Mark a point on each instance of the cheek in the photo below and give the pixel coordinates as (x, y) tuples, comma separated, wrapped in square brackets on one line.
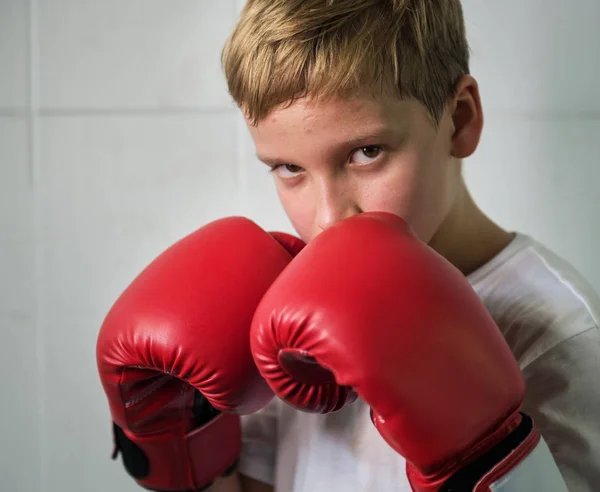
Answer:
[(396, 192), (413, 191)]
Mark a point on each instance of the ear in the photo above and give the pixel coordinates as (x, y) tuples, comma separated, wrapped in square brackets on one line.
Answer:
[(467, 116)]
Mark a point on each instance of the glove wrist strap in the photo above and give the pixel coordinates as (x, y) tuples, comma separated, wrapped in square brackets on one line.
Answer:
[(167, 461)]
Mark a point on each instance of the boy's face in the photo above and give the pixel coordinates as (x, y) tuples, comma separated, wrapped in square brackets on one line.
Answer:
[(333, 159)]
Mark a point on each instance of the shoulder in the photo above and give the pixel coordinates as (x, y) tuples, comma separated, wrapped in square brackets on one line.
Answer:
[(538, 299)]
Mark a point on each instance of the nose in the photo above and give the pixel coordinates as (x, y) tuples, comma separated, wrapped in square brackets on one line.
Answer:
[(334, 205)]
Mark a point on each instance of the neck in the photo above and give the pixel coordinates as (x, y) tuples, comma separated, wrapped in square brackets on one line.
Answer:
[(468, 238)]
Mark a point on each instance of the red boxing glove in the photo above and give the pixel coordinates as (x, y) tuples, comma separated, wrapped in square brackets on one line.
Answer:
[(368, 308), (174, 352)]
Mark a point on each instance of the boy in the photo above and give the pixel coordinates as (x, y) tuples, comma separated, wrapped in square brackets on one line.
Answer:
[(356, 106), (364, 105)]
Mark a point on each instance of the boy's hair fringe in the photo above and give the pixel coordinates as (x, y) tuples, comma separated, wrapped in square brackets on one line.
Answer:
[(282, 50)]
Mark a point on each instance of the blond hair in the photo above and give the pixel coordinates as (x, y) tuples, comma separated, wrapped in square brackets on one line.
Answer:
[(282, 50)]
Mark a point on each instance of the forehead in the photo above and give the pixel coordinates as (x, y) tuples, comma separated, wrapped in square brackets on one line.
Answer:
[(336, 116)]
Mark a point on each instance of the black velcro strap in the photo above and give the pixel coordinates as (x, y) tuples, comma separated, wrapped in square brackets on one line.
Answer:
[(466, 478), (134, 459)]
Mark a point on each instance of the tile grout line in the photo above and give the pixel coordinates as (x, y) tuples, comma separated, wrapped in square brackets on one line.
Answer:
[(38, 252), (534, 115), (14, 112), (116, 111), (8, 112), (544, 115)]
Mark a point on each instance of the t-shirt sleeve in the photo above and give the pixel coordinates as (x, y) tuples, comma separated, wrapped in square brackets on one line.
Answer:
[(259, 444), (563, 397)]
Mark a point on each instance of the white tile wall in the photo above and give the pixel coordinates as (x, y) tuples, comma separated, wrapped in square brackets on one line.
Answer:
[(16, 219), (76, 439), (20, 400), (135, 54), (116, 190), (534, 56), (136, 144), (14, 41), (541, 177), (20, 408)]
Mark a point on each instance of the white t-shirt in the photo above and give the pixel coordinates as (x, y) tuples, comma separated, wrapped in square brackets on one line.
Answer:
[(550, 317)]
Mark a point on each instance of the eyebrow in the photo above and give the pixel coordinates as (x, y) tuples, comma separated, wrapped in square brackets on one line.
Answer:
[(371, 137), (268, 160)]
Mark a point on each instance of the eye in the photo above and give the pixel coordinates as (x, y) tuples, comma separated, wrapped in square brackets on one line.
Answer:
[(286, 171), (366, 155)]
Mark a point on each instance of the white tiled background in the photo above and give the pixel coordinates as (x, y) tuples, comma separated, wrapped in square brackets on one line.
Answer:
[(117, 137)]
